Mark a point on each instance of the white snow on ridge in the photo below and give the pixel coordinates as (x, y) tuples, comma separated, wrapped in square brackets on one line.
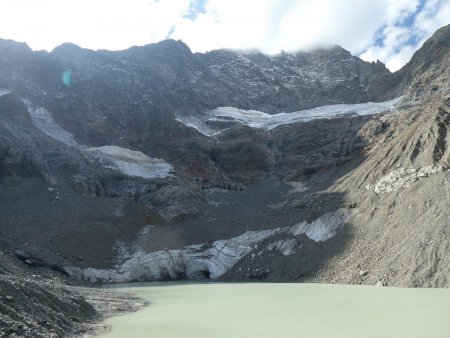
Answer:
[(257, 119), (131, 163)]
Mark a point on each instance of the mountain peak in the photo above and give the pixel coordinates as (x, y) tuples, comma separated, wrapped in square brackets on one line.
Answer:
[(170, 45), (426, 74), (68, 48), (14, 46)]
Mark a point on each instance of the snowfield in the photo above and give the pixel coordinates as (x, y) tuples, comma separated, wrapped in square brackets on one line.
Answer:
[(131, 163), (261, 120)]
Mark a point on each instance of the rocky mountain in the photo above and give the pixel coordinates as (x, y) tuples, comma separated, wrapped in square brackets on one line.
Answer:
[(157, 163)]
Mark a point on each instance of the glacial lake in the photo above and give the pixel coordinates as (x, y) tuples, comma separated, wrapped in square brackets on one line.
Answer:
[(262, 310)]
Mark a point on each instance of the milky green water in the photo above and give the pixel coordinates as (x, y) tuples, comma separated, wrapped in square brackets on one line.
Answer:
[(283, 311)]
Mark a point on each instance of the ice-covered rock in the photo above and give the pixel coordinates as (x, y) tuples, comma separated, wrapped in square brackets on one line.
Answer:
[(225, 253), (324, 227), (285, 246)]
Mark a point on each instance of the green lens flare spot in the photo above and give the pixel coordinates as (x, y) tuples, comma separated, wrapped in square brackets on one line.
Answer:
[(67, 78)]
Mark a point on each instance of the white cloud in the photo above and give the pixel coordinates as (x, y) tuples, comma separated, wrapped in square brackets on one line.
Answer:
[(400, 41), (374, 29), (96, 24), (273, 25)]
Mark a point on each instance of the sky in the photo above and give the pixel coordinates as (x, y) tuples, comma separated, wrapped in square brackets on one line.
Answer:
[(385, 30)]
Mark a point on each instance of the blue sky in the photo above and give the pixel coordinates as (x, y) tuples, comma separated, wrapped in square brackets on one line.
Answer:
[(395, 41), (386, 30), (195, 8)]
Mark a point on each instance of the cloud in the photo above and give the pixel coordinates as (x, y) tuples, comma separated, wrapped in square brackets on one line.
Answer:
[(272, 25), (409, 24), (388, 30), (95, 24), (195, 8)]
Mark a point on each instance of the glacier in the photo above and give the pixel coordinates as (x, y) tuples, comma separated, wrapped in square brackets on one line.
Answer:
[(211, 259), (261, 120)]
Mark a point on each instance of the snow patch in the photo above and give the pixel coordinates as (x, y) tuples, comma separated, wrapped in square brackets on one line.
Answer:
[(130, 162), (197, 124), (44, 121), (296, 187)]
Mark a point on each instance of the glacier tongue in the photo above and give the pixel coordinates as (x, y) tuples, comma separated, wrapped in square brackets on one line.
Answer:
[(212, 259)]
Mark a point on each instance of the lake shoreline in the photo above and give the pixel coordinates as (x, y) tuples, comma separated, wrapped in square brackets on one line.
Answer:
[(108, 303)]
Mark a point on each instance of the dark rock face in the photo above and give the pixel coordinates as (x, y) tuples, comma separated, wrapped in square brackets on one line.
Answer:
[(425, 76), (427, 72), (55, 200), (174, 80), (129, 98), (289, 82)]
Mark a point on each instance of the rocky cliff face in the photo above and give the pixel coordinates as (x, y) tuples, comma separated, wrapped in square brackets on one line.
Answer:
[(158, 163), (43, 305), (177, 81), (427, 72)]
